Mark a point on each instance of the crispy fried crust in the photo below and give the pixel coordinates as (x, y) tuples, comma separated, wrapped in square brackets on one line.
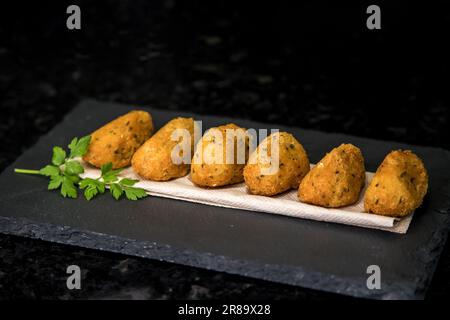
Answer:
[(335, 181), (398, 186), (117, 141), (293, 165), (153, 160), (208, 173)]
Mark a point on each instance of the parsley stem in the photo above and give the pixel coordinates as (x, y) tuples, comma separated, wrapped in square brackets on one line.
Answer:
[(27, 171)]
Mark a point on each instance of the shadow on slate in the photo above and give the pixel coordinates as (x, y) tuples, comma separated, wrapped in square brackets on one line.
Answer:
[(312, 254)]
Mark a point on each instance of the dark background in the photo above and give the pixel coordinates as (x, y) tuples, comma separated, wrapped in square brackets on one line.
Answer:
[(311, 64)]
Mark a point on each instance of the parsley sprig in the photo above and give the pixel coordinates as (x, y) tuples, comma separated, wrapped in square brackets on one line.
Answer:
[(64, 173), (117, 186)]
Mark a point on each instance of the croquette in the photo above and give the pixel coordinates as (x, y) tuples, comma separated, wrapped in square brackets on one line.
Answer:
[(220, 157), (117, 141), (167, 154), (398, 186), (278, 164), (337, 180)]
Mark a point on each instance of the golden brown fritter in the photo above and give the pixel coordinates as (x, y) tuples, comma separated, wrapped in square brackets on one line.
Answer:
[(155, 159), (210, 165), (117, 141), (399, 185), (291, 167), (335, 181)]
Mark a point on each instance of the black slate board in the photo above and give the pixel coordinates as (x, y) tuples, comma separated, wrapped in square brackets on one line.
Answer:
[(311, 254)]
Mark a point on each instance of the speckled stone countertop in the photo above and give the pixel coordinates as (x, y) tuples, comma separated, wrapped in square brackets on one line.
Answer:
[(315, 66)]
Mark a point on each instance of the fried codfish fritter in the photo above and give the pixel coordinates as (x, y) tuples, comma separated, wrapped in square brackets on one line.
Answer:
[(291, 167), (117, 141), (162, 157), (335, 181), (398, 186), (218, 160)]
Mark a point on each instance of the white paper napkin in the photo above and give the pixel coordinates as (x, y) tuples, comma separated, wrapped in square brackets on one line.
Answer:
[(237, 197)]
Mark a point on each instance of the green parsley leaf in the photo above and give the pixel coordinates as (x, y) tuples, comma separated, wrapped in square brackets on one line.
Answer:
[(135, 193), (59, 155), (91, 187), (106, 168), (78, 148), (128, 182), (116, 190), (72, 177), (85, 182), (90, 192), (92, 182), (115, 172), (49, 171), (110, 178), (55, 182), (68, 188), (73, 144), (73, 168), (108, 174)]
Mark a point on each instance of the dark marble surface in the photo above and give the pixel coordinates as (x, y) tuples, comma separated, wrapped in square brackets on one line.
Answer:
[(314, 66)]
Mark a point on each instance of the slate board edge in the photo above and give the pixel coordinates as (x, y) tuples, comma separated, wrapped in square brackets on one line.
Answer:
[(390, 291), (144, 249)]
